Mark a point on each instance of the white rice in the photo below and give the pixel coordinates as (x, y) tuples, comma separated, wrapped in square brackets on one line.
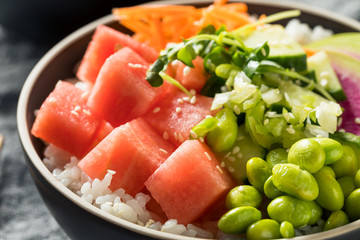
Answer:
[(96, 192), (303, 34)]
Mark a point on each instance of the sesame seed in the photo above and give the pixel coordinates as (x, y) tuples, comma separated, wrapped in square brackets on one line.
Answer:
[(163, 150), (193, 100), (237, 109), (324, 74), (112, 172), (207, 155), (174, 63), (77, 108), (85, 94), (192, 91), (156, 110), (323, 82), (74, 112), (231, 169), (231, 158), (87, 112), (342, 130), (239, 155), (208, 116), (52, 99), (357, 120), (227, 155), (136, 65), (201, 139), (186, 99), (180, 137), (219, 169), (290, 129), (236, 149), (222, 164), (178, 109), (166, 135), (186, 70), (175, 136), (180, 100), (193, 134)]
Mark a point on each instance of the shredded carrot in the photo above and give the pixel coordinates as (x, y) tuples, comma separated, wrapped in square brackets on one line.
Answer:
[(157, 25), (220, 2), (309, 52)]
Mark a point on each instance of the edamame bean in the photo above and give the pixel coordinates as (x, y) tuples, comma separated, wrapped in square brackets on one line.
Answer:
[(291, 209), (336, 219), (238, 219), (290, 179), (347, 184), (347, 165), (330, 196), (257, 172), (316, 212), (308, 154), (332, 148), (223, 137), (287, 230), (243, 195), (263, 229), (275, 156), (357, 179), (352, 205), (329, 170), (270, 190)]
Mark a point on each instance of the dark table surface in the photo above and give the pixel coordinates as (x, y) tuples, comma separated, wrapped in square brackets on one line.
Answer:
[(28, 29)]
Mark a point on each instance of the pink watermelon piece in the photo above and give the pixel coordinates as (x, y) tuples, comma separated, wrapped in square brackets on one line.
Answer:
[(65, 121), (105, 42), (121, 92), (173, 117), (189, 182), (191, 77), (347, 69), (133, 150)]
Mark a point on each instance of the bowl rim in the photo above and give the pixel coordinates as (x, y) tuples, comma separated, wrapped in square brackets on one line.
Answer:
[(23, 128)]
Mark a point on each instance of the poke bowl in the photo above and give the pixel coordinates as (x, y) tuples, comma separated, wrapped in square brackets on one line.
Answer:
[(79, 209)]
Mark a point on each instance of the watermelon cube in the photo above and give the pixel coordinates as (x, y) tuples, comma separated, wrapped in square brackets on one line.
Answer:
[(133, 150), (189, 182), (121, 92), (173, 117), (65, 121), (191, 77), (105, 42)]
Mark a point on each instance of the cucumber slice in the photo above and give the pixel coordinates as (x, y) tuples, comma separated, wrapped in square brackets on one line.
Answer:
[(325, 75), (283, 49), (350, 140), (243, 149)]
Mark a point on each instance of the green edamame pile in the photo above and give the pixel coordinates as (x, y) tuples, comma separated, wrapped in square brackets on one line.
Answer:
[(313, 184), (265, 108)]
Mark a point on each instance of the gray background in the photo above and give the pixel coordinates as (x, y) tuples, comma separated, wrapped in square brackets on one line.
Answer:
[(25, 35)]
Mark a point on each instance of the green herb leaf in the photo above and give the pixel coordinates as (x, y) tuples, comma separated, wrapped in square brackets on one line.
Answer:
[(187, 55)]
